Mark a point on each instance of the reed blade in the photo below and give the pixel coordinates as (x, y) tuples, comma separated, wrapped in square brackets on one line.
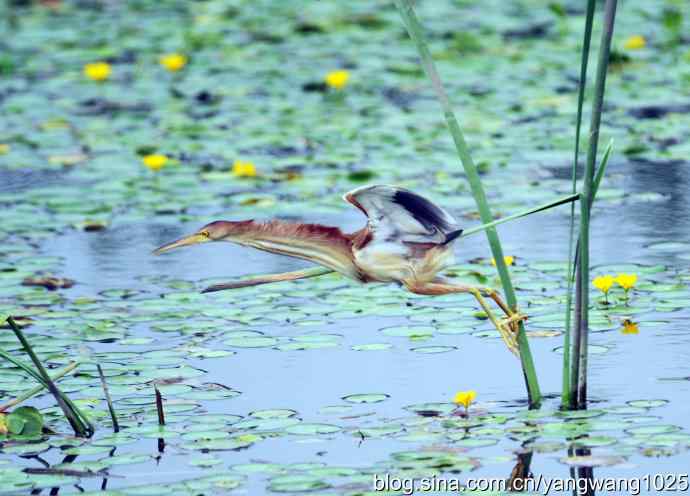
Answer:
[(109, 401), (415, 31), (82, 427), (601, 170), (159, 406), (524, 213), (36, 390)]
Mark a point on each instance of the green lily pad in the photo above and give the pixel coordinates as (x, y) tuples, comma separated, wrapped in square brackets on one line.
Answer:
[(297, 484), (312, 429), (366, 398)]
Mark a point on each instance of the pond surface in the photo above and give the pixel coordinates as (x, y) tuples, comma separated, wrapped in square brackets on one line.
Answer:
[(315, 386)]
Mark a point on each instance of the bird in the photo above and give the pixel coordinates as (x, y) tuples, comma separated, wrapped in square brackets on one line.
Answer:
[(408, 240)]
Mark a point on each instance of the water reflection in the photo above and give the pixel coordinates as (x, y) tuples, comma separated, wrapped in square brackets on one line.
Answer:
[(582, 475), (521, 475)]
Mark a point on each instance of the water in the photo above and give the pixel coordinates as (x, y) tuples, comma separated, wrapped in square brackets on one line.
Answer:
[(308, 381), (510, 69)]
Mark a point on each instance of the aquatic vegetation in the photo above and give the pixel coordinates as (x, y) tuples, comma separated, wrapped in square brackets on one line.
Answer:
[(173, 61), (229, 402), (4, 148), (97, 71), (24, 421), (635, 42), (243, 168), (575, 366), (337, 79), (79, 422)]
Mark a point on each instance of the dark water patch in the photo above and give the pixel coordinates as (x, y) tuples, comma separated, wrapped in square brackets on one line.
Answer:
[(400, 98), (536, 30), (659, 111), (100, 106)]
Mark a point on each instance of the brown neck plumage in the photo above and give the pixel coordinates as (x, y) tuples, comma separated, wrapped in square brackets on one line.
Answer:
[(324, 245)]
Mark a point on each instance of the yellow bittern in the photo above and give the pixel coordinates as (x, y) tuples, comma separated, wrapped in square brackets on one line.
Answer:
[(407, 240)]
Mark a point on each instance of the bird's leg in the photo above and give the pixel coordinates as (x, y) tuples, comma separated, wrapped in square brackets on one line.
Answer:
[(513, 318), (269, 278), (507, 327)]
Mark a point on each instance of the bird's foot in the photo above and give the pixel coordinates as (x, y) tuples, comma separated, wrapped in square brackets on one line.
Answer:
[(509, 328)]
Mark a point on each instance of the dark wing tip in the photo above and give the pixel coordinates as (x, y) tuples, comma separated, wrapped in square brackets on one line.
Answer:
[(428, 214), (452, 236)]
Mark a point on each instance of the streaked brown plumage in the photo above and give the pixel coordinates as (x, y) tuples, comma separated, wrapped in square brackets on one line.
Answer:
[(407, 240)]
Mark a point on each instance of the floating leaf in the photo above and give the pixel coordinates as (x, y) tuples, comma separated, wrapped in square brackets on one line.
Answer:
[(366, 398)]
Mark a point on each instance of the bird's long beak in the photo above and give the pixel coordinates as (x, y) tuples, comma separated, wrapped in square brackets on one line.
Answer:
[(193, 239)]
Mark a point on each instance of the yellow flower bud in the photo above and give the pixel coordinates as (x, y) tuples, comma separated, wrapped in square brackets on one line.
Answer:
[(243, 169), (337, 79), (155, 162), (635, 42), (173, 61), (465, 398), (97, 71)]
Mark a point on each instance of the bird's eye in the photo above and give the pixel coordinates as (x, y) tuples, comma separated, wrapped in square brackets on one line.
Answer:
[(205, 234)]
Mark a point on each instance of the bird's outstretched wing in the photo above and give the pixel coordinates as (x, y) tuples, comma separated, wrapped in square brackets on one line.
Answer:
[(398, 214)]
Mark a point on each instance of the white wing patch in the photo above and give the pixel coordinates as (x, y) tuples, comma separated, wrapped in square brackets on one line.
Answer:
[(396, 214)]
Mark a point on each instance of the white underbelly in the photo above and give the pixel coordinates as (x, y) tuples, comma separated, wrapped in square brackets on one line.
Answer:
[(389, 262)]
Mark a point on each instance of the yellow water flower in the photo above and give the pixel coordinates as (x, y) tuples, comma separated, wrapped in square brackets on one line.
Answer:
[(173, 61), (508, 259), (603, 283), (337, 79), (465, 398), (626, 281), (635, 42), (630, 327), (243, 169), (98, 71), (155, 161), (4, 148)]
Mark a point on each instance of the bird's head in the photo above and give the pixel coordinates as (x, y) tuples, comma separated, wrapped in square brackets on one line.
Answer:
[(214, 231)]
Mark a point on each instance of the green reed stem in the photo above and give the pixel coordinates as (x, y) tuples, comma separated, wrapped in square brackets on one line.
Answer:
[(524, 213), (600, 170), (584, 60), (159, 406), (415, 31), (108, 400), (578, 374), (34, 391), (82, 427)]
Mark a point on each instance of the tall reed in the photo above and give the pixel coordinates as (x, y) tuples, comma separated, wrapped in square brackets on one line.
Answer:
[(584, 61), (415, 31), (578, 369)]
